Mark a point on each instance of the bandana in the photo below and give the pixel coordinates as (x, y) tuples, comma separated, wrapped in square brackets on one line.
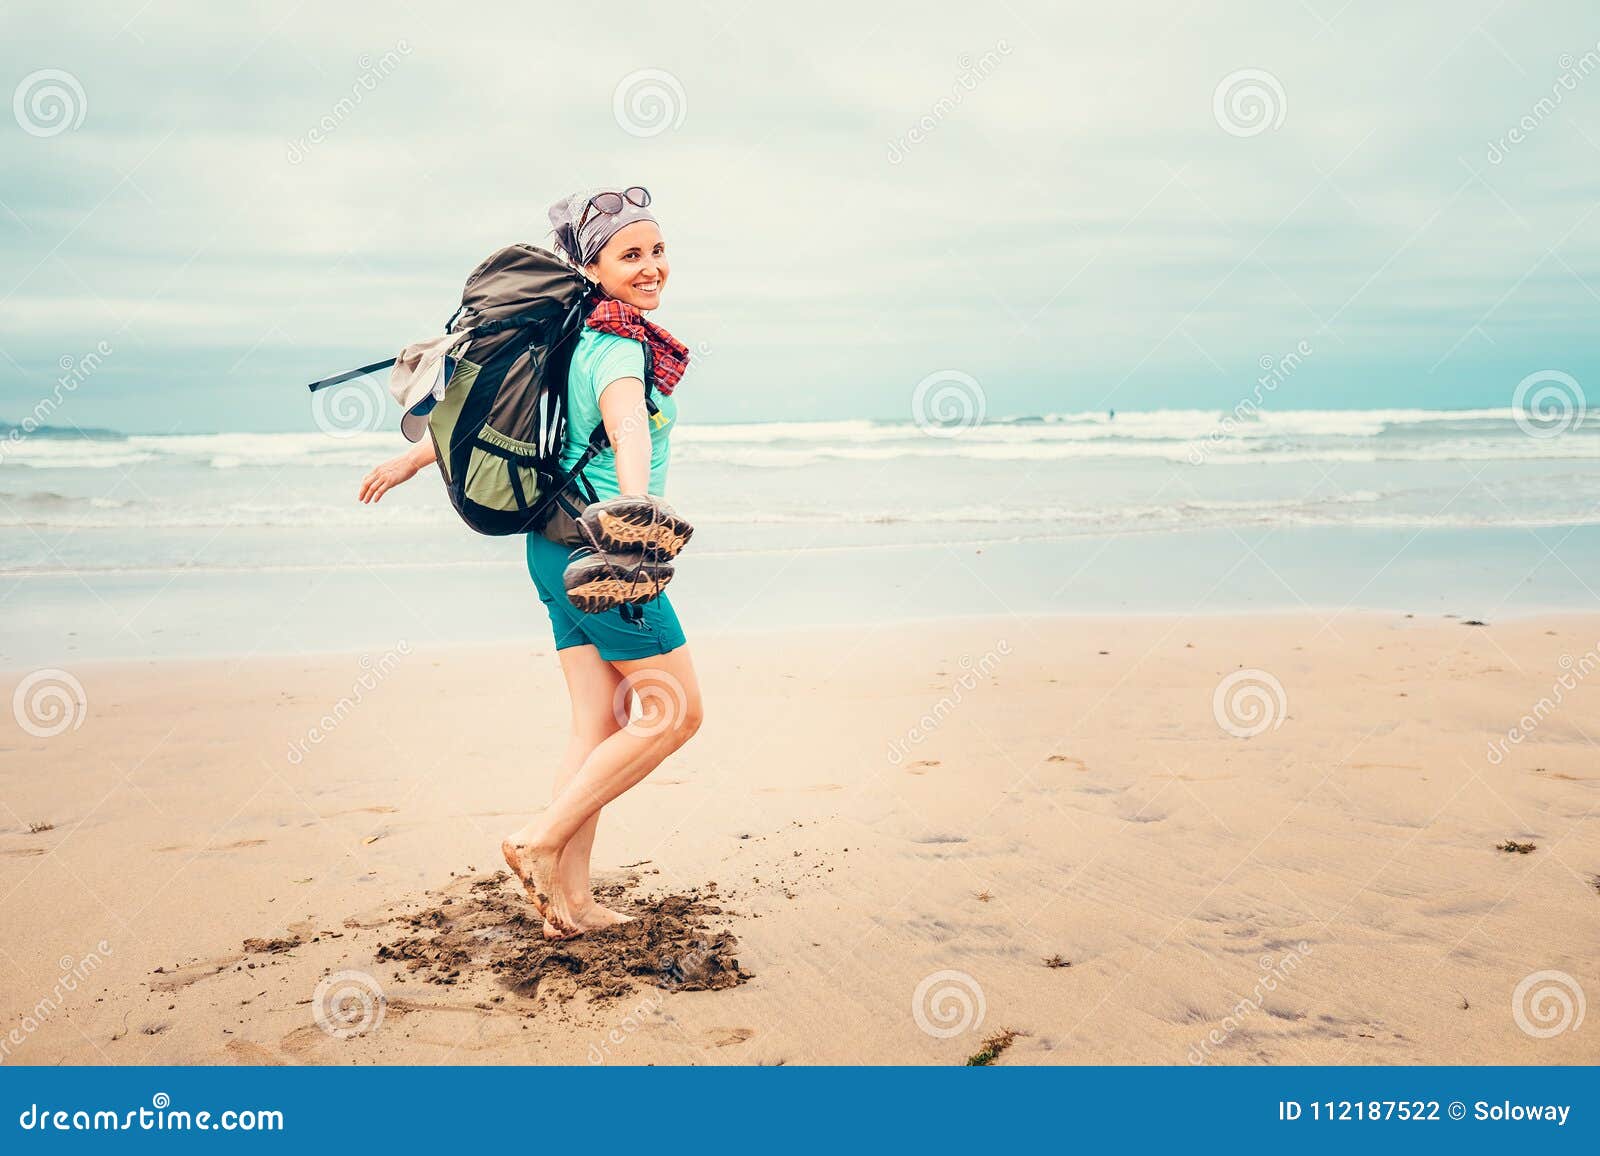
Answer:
[(668, 357), (583, 246)]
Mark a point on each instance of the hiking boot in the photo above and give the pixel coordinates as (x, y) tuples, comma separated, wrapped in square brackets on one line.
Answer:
[(596, 583), (644, 524)]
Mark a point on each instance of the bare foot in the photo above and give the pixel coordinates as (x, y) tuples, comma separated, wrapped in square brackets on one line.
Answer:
[(596, 916), (513, 857), (537, 871)]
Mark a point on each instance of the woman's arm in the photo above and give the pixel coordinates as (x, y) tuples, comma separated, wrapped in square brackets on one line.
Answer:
[(627, 422), (396, 470)]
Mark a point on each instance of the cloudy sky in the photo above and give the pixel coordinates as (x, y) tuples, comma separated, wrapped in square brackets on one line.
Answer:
[(1081, 206)]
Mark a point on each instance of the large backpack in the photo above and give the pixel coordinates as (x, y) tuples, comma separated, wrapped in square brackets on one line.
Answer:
[(499, 429)]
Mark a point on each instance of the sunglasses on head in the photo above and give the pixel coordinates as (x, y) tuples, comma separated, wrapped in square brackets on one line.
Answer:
[(611, 203)]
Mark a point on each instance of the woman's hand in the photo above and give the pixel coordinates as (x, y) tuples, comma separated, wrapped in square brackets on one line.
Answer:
[(396, 470)]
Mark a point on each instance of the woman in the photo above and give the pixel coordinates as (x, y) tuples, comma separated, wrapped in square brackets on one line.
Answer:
[(604, 657)]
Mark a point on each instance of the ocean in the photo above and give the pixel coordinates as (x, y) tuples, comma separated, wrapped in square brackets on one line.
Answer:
[(123, 546)]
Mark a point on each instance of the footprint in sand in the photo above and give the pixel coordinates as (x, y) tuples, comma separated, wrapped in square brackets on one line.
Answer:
[(172, 979), (252, 1055), (1075, 763), (727, 1037)]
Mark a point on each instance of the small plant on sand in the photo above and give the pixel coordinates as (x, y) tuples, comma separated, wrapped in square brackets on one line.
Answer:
[(1511, 846), (993, 1048), (39, 828), (1056, 961)]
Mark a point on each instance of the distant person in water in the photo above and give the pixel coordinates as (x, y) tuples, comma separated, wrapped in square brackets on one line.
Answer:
[(604, 657)]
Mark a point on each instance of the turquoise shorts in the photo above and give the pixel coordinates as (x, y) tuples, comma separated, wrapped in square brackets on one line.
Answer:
[(615, 637)]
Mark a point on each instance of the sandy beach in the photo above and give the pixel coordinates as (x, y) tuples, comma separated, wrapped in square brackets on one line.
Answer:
[(1161, 840)]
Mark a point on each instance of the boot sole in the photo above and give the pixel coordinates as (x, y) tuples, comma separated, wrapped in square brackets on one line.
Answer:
[(596, 590), (639, 525)]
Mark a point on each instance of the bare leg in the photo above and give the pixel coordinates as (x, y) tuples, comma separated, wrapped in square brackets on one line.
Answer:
[(591, 687), (669, 695)]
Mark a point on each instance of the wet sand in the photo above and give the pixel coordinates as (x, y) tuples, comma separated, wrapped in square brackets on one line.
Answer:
[(1261, 839)]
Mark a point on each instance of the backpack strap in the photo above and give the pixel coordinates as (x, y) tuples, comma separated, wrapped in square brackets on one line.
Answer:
[(341, 378), (517, 321)]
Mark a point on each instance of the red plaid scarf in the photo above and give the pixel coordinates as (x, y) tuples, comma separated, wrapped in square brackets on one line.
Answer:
[(669, 357)]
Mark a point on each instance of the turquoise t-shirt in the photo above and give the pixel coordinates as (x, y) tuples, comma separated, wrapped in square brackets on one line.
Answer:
[(600, 359)]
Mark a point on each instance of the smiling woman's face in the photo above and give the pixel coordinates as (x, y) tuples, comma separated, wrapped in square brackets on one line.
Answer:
[(633, 265)]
